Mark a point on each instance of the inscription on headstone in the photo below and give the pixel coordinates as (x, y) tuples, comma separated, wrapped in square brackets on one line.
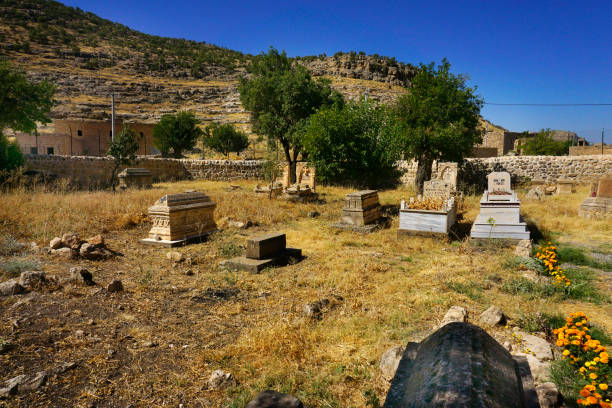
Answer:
[(437, 188), (499, 182)]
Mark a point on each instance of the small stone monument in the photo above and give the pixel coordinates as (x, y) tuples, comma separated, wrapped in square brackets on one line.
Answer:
[(180, 218), (565, 186), (460, 365), (499, 211), (263, 252), (599, 206), (361, 212), (433, 214), (135, 178)]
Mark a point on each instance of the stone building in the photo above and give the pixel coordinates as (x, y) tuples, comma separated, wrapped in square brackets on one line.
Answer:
[(82, 138)]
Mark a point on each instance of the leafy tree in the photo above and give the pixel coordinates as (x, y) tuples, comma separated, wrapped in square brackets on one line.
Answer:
[(10, 154), (359, 143), (178, 132), (123, 149), (440, 118), (225, 138), (280, 98), (544, 144)]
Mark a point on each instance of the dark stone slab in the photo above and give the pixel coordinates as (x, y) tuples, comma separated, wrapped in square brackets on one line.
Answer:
[(242, 263), (459, 365), (265, 246)]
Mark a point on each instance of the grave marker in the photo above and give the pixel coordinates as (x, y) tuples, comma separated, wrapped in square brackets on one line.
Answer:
[(361, 211), (599, 206), (263, 252)]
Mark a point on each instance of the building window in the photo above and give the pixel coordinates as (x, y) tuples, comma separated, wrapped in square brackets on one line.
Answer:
[(141, 134), (49, 150), (110, 134), (79, 133), (33, 150)]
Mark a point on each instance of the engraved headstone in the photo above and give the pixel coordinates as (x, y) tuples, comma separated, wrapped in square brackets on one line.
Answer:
[(448, 173), (498, 182), (437, 188), (179, 218), (604, 189)]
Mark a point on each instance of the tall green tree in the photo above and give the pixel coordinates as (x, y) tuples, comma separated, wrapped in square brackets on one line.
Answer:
[(359, 143), (123, 150), (225, 138), (280, 97), (440, 118), (544, 144), (22, 104), (178, 132)]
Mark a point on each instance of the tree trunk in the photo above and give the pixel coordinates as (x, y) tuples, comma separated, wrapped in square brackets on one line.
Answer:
[(114, 172), (291, 161), (423, 172)]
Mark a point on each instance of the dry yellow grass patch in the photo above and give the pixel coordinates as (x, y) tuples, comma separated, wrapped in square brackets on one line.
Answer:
[(384, 290)]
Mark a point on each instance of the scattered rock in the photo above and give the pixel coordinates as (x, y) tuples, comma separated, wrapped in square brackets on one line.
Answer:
[(548, 395), (507, 345), (535, 193), (454, 314), (97, 240), (221, 379), (32, 279), (523, 248), (313, 214), (115, 286), (64, 252), (11, 287), (94, 253), (492, 316), (536, 345), (79, 274), (540, 370), (72, 241), (34, 383), (79, 333), (274, 399), (389, 362), (56, 243), (175, 256), (236, 224), (550, 190), (315, 310), (62, 368), (12, 385)]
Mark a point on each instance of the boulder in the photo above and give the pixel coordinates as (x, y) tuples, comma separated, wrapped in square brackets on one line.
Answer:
[(56, 243), (115, 286), (71, 240), (79, 274), (454, 314), (96, 240), (94, 253), (548, 395), (11, 287), (32, 279), (492, 316), (64, 252), (274, 399), (535, 193), (540, 370), (534, 345), (389, 362), (220, 379)]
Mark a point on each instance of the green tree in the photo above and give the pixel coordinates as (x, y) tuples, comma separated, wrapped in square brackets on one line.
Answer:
[(359, 143), (22, 105), (123, 149), (225, 138), (280, 98), (544, 144), (178, 132), (440, 118)]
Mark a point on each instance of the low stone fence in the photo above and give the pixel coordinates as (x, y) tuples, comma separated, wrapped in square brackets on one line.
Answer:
[(92, 172)]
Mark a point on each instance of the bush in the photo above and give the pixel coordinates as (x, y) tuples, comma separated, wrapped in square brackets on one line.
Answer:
[(177, 133), (11, 157), (356, 144), (225, 138)]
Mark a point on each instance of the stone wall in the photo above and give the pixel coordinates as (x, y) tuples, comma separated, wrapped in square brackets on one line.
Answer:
[(93, 172), (589, 150)]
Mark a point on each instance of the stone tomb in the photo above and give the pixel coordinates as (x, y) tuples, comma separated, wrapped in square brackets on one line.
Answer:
[(432, 222), (499, 211), (460, 365), (361, 211), (565, 186), (599, 206), (180, 218), (263, 252), (135, 178)]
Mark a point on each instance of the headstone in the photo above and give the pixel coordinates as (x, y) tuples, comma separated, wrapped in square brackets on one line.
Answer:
[(263, 252), (361, 211), (181, 218), (305, 177), (437, 188), (460, 365), (135, 178), (599, 206), (565, 187), (499, 215), (448, 173)]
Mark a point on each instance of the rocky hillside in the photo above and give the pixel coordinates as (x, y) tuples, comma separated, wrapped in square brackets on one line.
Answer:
[(88, 58)]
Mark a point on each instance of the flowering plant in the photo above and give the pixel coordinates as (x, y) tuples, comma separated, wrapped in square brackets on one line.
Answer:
[(549, 259), (590, 358)]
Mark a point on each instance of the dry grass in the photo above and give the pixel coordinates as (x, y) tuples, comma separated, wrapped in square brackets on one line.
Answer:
[(392, 291)]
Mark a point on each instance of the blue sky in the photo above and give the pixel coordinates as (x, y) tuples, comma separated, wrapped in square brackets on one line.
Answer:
[(513, 51)]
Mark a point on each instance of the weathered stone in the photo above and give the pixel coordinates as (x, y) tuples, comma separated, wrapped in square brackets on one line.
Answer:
[(530, 344), (32, 279), (535, 193), (523, 248), (459, 365), (12, 385), (274, 399), (361, 208), (96, 241), (180, 218), (540, 370), (71, 240), (437, 188), (492, 316), (221, 379), (115, 286), (454, 314), (64, 252), (389, 362), (135, 178), (11, 287), (548, 395), (94, 253), (266, 246), (34, 383), (499, 182), (79, 274), (55, 243)]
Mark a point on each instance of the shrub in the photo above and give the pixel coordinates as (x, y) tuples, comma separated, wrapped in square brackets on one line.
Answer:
[(225, 138), (177, 133), (14, 267), (11, 157)]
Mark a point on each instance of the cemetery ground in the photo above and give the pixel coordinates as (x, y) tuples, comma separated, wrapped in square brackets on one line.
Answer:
[(157, 342)]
